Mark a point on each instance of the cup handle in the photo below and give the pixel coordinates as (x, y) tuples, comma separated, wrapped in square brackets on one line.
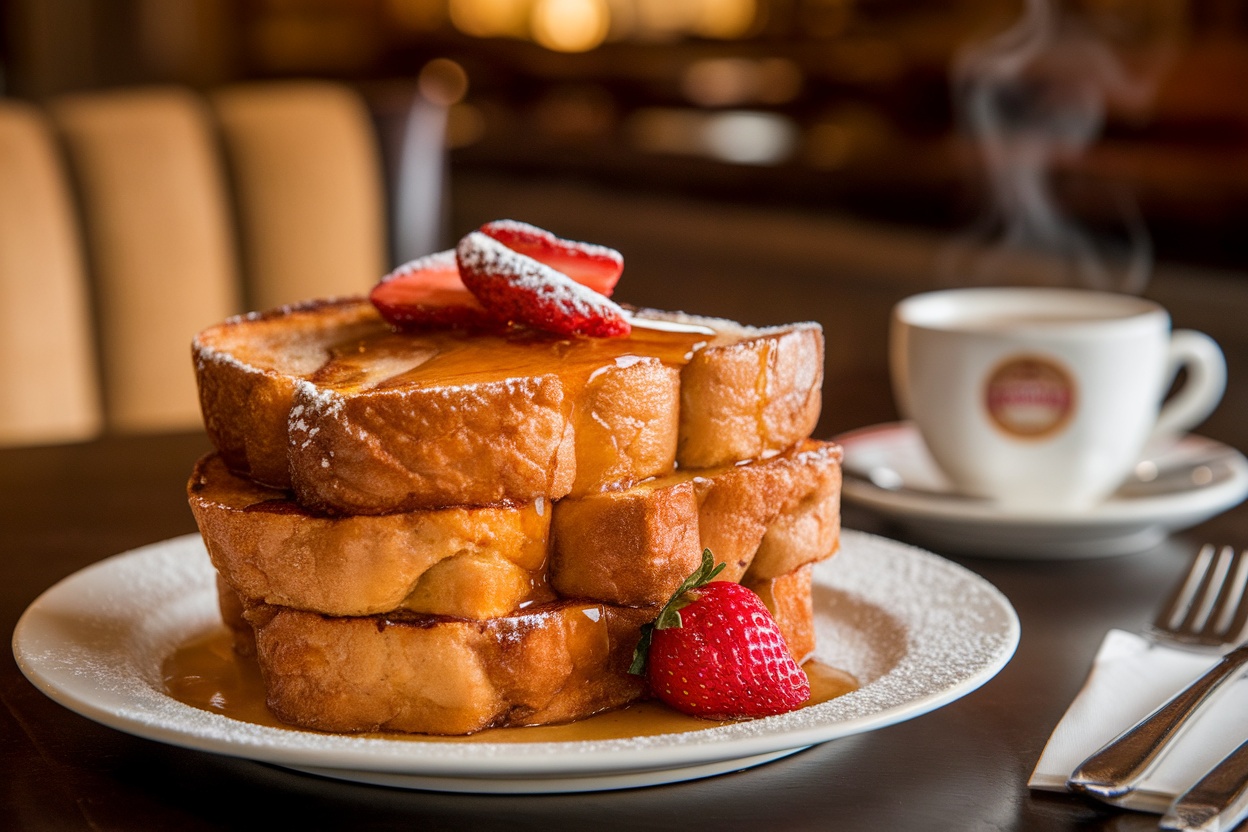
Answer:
[(1201, 390)]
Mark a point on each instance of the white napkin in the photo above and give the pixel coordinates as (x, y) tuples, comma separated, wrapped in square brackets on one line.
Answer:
[(1131, 678)]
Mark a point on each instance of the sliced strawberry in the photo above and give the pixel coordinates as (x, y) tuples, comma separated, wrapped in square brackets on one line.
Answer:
[(520, 289), (427, 293), (715, 652), (595, 266)]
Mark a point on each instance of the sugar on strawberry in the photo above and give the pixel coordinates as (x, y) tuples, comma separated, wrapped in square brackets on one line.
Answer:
[(595, 266), (508, 273), (527, 291), (715, 652), (427, 293)]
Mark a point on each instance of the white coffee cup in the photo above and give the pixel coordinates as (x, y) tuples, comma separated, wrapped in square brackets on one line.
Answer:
[(1044, 399)]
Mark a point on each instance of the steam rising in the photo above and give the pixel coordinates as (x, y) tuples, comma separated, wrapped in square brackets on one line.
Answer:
[(1031, 97)]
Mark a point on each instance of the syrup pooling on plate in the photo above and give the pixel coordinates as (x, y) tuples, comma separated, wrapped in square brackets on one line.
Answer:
[(206, 673)]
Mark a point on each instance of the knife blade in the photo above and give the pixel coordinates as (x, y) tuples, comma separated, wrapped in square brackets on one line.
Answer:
[(1218, 801)]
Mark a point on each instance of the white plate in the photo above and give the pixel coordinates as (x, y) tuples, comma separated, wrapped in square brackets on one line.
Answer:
[(917, 631), (888, 470)]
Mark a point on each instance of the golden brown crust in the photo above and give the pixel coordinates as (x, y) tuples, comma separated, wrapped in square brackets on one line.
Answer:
[(763, 519), (631, 547), (464, 561), (440, 533), (288, 402), (749, 393), (626, 547), (436, 675), (247, 385), (401, 449), (555, 663), (752, 398), (626, 420), (739, 505)]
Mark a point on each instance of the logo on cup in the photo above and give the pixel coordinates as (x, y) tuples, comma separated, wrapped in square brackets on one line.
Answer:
[(1029, 396)]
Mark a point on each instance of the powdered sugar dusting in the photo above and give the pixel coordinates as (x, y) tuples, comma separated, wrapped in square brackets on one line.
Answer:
[(316, 400), (205, 355), (481, 254), (588, 249), (917, 631), (443, 261)]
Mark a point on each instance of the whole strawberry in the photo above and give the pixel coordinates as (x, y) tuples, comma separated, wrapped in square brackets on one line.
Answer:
[(715, 652)]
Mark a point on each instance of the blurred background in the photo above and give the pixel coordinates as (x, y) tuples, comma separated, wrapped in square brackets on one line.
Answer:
[(827, 105), (724, 145)]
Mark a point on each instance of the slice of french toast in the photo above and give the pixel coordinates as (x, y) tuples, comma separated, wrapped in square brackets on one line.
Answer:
[(762, 519), (327, 399), (465, 561), (630, 547), (751, 393), (408, 672)]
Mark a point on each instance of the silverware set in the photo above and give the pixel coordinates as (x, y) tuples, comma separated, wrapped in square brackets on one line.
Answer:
[(1208, 611)]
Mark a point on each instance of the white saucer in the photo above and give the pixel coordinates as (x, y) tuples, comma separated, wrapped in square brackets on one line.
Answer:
[(916, 630), (889, 471)]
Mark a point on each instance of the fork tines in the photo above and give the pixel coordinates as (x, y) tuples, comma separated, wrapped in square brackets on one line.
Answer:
[(1210, 605)]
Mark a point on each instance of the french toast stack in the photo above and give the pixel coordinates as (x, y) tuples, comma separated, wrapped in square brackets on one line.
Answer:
[(440, 531)]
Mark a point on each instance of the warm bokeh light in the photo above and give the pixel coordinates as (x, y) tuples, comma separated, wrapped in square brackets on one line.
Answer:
[(623, 20), (666, 130), (570, 25), (719, 82), (664, 19), (490, 18), (581, 25), (733, 82), (417, 15), (724, 19), (742, 137), (750, 138), (443, 82)]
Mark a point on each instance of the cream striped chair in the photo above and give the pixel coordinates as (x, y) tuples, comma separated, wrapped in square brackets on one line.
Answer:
[(130, 219), (160, 240), (48, 373)]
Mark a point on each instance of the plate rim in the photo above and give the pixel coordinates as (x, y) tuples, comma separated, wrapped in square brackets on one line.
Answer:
[(182, 725)]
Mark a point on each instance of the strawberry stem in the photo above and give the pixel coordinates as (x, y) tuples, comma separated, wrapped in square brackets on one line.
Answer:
[(669, 616)]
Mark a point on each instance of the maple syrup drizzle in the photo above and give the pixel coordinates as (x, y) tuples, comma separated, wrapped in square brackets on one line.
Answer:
[(383, 358), (206, 673)]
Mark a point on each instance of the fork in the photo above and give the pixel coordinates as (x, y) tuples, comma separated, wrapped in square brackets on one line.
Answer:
[(1207, 610)]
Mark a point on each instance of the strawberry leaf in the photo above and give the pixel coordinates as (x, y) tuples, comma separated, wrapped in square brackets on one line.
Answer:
[(669, 616)]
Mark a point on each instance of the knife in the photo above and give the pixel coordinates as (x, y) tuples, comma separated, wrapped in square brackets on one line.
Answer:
[(1218, 801), (1113, 772)]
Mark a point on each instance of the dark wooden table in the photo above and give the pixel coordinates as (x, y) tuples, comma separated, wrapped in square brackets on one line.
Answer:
[(962, 767)]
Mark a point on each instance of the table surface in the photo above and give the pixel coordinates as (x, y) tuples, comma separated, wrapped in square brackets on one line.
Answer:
[(962, 767)]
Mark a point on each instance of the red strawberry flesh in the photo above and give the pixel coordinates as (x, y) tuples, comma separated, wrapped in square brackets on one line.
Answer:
[(428, 293), (522, 290), (595, 266), (727, 660), (714, 651)]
